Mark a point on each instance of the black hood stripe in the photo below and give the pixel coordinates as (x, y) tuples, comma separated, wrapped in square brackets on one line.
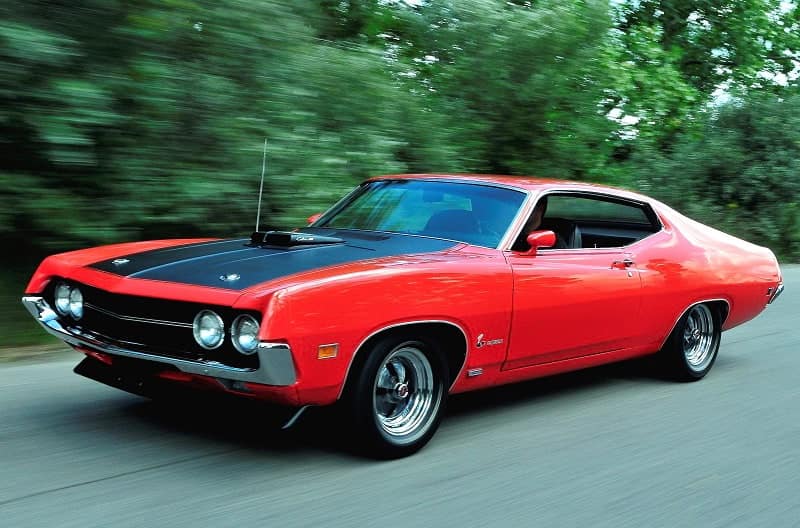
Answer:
[(185, 260), (206, 263)]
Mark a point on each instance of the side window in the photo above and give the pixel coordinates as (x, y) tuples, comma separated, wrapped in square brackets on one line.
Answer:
[(589, 221), (579, 208)]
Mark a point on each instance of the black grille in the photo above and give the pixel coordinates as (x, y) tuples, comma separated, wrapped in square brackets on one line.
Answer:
[(156, 326)]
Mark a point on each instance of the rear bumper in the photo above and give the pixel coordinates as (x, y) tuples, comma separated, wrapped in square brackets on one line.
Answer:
[(276, 366), (778, 291)]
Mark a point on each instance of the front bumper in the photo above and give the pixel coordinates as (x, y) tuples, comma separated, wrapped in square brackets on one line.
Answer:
[(276, 366)]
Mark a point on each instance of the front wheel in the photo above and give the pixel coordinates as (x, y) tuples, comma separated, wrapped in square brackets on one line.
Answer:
[(691, 349), (397, 398)]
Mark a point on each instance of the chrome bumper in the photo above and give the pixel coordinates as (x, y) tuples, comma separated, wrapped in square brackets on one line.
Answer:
[(276, 366), (777, 293)]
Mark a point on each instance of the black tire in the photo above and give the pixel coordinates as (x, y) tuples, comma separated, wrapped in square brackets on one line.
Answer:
[(692, 347), (396, 400)]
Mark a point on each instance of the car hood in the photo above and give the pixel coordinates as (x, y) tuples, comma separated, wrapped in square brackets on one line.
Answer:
[(236, 264)]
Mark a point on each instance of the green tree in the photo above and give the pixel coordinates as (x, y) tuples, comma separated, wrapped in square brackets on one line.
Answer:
[(741, 174), (672, 56), (148, 121), (521, 84)]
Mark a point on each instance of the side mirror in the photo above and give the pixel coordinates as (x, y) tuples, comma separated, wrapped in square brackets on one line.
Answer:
[(539, 239), (313, 218)]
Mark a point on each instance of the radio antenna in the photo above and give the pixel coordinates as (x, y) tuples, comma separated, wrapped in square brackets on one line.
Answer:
[(261, 188)]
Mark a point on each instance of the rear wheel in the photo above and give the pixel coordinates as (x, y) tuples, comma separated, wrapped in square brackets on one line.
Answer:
[(395, 402), (691, 349)]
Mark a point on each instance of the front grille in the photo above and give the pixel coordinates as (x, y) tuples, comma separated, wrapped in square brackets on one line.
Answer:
[(155, 326)]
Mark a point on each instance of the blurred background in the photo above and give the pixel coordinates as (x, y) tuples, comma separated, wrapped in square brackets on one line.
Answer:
[(124, 120)]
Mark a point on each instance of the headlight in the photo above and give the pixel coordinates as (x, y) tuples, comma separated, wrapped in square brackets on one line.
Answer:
[(244, 333), (62, 298), (208, 329), (76, 303)]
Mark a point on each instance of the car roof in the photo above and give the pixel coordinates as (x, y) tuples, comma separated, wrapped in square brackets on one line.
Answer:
[(526, 183)]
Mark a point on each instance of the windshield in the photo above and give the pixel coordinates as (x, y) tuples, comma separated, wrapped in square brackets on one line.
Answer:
[(472, 213)]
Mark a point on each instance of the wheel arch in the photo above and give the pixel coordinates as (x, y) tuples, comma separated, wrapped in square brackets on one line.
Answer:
[(722, 306), (451, 337)]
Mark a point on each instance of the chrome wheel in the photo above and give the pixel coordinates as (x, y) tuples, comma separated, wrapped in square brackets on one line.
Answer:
[(405, 394), (691, 348), (699, 338), (396, 397)]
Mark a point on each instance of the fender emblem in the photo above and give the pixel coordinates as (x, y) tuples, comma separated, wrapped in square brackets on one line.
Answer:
[(120, 261), (480, 342)]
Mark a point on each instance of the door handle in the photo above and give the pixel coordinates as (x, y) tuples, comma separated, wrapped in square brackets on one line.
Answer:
[(622, 264)]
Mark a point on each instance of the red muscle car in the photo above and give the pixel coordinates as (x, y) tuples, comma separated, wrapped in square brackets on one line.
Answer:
[(411, 288)]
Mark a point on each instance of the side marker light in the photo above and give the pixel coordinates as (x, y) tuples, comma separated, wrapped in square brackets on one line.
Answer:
[(328, 351)]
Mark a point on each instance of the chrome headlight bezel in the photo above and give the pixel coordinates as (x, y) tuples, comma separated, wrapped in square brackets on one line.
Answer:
[(237, 334), (197, 329)]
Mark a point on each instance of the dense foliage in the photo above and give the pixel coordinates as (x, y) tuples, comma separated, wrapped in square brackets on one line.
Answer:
[(740, 172), (129, 119)]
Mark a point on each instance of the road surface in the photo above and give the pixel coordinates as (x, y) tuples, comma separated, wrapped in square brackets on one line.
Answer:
[(610, 447)]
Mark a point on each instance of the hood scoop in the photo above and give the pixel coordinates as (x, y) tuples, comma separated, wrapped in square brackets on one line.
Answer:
[(290, 239)]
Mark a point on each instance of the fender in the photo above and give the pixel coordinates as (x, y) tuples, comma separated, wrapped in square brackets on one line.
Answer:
[(407, 323)]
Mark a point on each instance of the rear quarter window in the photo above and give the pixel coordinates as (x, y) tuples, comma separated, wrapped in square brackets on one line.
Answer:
[(596, 210)]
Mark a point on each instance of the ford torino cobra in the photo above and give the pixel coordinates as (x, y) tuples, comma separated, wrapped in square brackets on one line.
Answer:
[(411, 288)]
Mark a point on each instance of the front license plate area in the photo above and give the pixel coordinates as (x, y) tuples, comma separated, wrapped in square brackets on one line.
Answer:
[(137, 377)]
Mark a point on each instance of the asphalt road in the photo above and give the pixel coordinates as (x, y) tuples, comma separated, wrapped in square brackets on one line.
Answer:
[(607, 447)]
